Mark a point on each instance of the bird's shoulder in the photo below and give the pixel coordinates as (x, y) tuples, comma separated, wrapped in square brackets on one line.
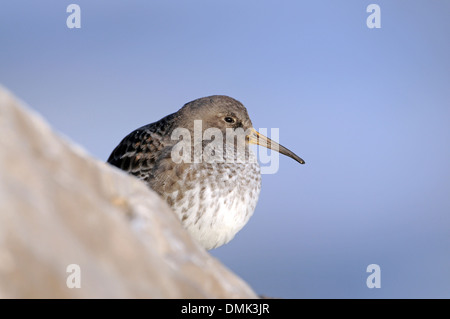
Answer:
[(139, 150)]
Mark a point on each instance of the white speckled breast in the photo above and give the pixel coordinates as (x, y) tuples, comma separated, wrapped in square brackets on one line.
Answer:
[(221, 201)]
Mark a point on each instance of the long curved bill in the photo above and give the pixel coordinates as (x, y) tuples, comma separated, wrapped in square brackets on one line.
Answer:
[(257, 138)]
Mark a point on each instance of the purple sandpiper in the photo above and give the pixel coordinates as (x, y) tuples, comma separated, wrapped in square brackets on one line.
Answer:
[(212, 190)]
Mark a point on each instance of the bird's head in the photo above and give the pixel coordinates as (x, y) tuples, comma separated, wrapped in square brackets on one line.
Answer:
[(222, 115)]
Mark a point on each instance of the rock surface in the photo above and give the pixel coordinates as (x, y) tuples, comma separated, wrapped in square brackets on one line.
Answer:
[(59, 206)]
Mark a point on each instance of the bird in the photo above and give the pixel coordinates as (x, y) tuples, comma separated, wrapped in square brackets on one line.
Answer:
[(199, 161)]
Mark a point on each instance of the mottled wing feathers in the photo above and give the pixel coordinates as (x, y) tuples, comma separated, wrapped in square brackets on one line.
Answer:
[(139, 150)]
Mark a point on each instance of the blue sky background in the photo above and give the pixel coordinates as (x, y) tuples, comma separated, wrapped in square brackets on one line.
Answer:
[(368, 110)]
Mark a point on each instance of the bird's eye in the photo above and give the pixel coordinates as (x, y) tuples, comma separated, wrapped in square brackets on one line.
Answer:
[(229, 119)]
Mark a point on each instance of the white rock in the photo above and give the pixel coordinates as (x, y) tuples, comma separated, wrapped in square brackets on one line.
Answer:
[(59, 206)]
